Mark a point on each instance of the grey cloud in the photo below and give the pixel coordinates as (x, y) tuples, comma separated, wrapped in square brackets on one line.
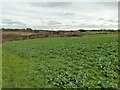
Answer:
[(71, 26), (42, 22), (88, 26), (114, 21), (54, 23), (65, 14), (51, 4), (106, 20), (110, 5), (68, 14), (101, 19), (56, 14), (74, 22), (97, 26), (92, 26), (46, 27), (12, 22)]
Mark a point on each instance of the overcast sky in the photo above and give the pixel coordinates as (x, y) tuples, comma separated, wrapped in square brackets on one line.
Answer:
[(60, 15)]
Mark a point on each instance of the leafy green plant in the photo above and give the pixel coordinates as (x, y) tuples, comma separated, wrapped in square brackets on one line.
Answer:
[(90, 61)]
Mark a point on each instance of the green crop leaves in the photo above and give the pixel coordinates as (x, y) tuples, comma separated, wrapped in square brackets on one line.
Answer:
[(85, 62)]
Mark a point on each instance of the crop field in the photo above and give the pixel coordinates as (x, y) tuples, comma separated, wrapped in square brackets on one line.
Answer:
[(90, 61)]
